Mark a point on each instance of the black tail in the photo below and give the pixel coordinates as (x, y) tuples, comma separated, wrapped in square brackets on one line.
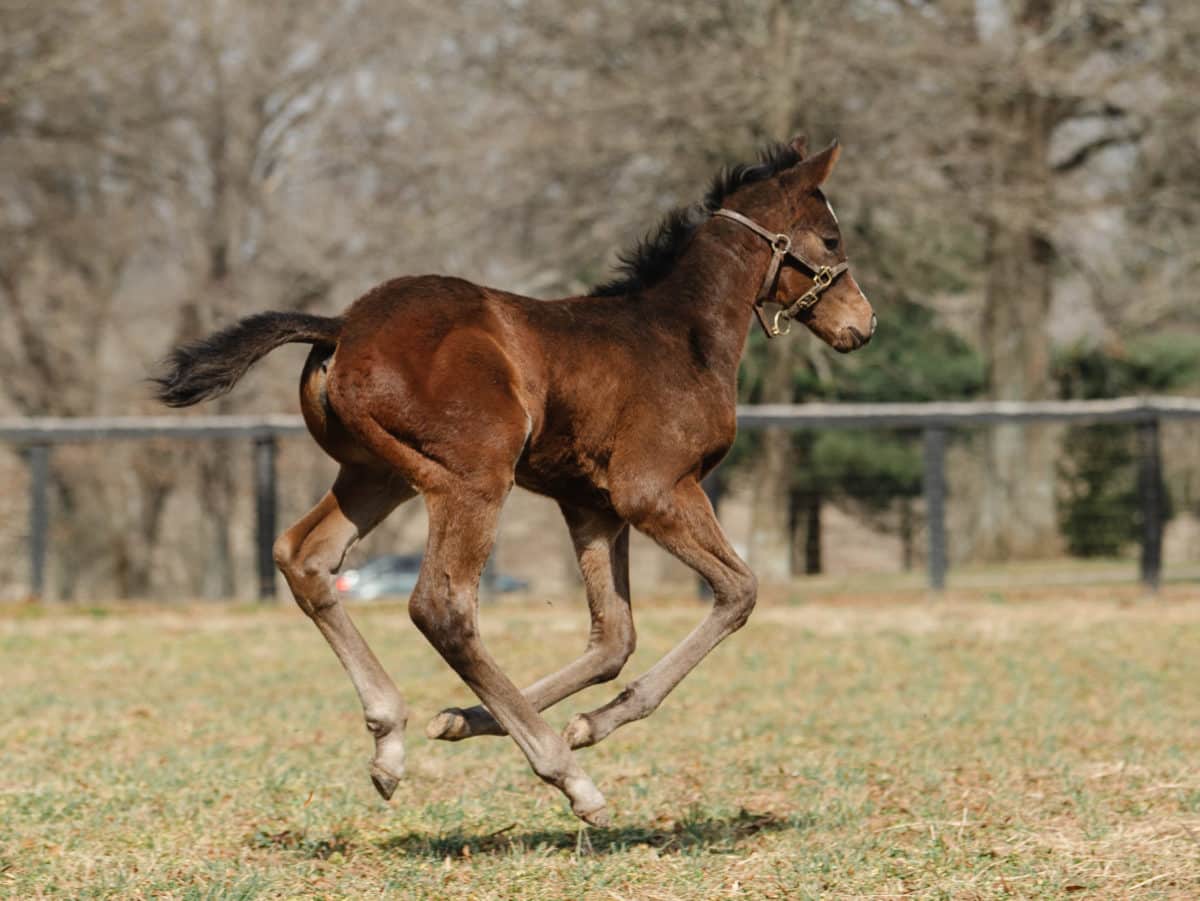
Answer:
[(210, 367)]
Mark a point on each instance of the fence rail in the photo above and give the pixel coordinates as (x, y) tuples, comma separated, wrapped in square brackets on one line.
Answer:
[(969, 413), (74, 430), (37, 436)]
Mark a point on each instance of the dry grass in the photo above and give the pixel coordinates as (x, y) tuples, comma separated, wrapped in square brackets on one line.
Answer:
[(958, 749)]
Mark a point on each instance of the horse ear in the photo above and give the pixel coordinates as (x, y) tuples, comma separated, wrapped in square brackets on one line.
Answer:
[(814, 170), (800, 145)]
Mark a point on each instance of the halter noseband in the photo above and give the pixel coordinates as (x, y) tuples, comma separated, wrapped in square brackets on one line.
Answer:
[(781, 246)]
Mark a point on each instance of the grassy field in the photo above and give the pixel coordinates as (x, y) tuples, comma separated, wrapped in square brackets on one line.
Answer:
[(974, 747)]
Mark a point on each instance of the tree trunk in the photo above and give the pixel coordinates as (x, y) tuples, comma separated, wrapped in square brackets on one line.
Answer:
[(804, 525), (218, 490), (812, 535), (62, 572), (1018, 515), (771, 539), (137, 578), (770, 522), (906, 533)]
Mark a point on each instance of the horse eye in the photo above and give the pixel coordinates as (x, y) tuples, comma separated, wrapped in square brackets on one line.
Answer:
[(831, 244)]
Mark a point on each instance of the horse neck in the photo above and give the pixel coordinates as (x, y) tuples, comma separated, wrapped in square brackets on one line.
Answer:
[(710, 293)]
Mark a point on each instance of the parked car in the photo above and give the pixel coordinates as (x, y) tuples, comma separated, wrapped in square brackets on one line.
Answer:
[(395, 575)]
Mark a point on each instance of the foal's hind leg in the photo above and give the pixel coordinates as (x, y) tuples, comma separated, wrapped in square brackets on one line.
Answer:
[(602, 547), (309, 554), (444, 606), (683, 522)]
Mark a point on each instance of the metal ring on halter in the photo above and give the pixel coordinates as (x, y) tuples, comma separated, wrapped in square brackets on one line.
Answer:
[(775, 327)]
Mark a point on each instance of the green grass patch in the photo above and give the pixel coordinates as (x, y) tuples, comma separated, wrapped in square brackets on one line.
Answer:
[(995, 747)]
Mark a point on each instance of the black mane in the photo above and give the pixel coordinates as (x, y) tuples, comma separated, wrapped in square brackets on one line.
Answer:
[(649, 261)]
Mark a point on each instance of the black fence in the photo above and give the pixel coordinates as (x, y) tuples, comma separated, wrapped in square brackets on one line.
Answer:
[(936, 420), (37, 437)]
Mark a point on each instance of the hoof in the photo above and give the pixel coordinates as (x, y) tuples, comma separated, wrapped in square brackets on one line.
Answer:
[(598, 817), (578, 733), (385, 783), (586, 801), (449, 725)]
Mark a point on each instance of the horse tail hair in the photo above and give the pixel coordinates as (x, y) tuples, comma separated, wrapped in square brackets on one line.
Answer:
[(207, 368)]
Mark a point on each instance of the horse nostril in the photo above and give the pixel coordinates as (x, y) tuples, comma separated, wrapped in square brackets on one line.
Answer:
[(858, 338)]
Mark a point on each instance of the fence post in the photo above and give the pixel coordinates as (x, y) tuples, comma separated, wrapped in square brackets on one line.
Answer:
[(265, 513), (934, 485), (37, 457), (1150, 497)]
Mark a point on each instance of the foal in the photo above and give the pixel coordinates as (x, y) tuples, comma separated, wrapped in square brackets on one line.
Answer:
[(616, 405)]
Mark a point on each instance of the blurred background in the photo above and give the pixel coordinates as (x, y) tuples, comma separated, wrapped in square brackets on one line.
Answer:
[(1019, 193)]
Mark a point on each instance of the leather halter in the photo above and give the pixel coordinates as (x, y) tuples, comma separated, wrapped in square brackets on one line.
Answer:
[(781, 247)]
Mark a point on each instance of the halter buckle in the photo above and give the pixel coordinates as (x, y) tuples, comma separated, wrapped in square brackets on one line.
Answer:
[(805, 301)]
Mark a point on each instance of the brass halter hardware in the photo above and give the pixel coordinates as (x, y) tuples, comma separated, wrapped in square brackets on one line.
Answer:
[(781, 247)]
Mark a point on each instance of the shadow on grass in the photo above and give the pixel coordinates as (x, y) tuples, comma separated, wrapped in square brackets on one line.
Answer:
[(691, 834), (320, 847)]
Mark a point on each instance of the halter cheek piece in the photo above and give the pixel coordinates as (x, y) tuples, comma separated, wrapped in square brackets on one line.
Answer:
[(781, 247)]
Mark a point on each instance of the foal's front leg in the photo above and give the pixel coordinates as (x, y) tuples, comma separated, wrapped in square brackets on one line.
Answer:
[(684, 524), (444, 606), (309, 554), (601, 543)]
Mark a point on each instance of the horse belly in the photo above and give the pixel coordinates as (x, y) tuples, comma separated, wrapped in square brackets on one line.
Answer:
[(555, 470)]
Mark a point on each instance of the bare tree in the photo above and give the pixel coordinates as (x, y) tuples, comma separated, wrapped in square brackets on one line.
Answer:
[(1026, 124), (132, 144), (165, 167)]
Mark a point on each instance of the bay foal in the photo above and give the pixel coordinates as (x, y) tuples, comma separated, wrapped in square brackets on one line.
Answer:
[(615, 404)]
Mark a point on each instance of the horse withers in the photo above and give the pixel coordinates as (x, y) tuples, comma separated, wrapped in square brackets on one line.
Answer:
[(614, 404)]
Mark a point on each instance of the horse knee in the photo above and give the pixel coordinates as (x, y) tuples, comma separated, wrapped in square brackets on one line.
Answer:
[(422, 609), (444, 619)]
